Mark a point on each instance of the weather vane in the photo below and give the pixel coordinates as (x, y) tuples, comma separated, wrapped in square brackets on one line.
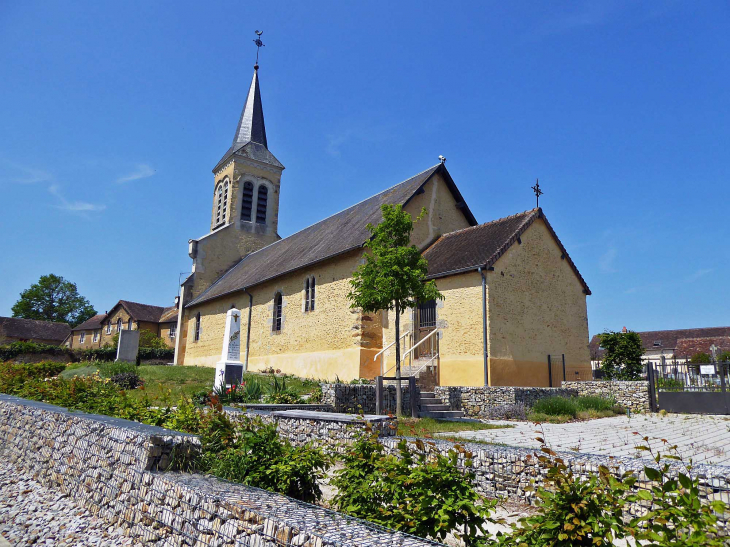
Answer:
[(537, 191), (259, 45)]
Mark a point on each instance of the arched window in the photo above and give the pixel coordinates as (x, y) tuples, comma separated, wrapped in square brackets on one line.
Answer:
[(247, 201), (309, 294), (262, 198), (129, 324), (196, 336), (119, 325), (276, 322)]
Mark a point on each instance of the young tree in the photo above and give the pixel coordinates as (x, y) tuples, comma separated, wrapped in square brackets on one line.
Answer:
[(393, 276), (53, 299), (622, 360)]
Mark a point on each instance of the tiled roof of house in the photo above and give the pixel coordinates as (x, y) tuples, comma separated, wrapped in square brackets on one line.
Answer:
[(687, 347), (32, 329), (92, 323), (330, 237), (668, 339), (481, 246), (148, 313)]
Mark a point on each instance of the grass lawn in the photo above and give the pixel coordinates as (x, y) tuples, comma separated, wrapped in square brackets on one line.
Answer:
[(427, 427), (173, 382)]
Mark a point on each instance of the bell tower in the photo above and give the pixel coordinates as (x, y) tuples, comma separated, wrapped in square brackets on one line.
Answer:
[(245, 197)]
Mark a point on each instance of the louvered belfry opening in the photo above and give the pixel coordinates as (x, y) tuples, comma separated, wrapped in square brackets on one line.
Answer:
[(262, 199), (247, 201)]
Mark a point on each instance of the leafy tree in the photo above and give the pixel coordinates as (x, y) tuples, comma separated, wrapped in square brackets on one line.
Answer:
[(393, 276), (147, 339), (723, 357), (700, 357), (53, 299), (622, 360)]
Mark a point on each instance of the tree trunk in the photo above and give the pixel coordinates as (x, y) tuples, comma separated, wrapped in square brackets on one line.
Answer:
[(398, 390)]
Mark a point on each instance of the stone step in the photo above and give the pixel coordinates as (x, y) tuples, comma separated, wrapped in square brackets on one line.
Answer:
[(431, 407), (428, 395), (442, 414)]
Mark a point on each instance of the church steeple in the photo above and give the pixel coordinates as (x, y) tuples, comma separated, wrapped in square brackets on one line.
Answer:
[(251, 126), (250, 138)]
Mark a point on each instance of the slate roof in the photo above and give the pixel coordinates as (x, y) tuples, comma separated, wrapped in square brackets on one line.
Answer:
[(250, 138), (330, 237), (92, 323), (668, 339), (481, 246), (32, 329), (148, 313)]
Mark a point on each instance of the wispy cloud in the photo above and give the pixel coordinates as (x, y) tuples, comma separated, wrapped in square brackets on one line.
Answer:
[(699, 273), (20, 174), (335, 142), (143, 171), (607, 259), (73, 206)]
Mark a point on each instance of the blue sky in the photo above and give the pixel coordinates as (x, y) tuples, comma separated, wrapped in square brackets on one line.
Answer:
[(114, 114)]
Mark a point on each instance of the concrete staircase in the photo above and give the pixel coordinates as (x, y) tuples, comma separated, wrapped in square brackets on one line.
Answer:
[(433, 407)]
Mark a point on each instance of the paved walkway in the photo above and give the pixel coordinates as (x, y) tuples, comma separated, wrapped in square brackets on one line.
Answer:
[(706, 439)]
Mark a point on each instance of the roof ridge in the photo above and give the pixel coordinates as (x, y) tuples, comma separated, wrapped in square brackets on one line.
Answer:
[(510, 217), (141, 304), (676, 330), (318, 222)]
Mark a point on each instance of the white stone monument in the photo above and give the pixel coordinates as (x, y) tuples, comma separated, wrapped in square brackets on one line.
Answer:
[(229, 370), (128, 345)]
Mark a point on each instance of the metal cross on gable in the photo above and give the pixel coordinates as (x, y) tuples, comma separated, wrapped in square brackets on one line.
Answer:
[(259, 45), (538, 192)]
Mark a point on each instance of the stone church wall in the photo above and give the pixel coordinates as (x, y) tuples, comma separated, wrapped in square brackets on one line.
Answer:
[(536, 307)]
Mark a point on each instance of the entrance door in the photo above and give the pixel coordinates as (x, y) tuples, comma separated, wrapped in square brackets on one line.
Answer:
[(426, 319)]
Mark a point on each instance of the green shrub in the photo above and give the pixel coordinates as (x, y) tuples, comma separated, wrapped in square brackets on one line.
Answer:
[(574, 511), (593, 402), (427, 497), (556, 406), (280, 394), (11, 351), (107, 370), (127, 380)]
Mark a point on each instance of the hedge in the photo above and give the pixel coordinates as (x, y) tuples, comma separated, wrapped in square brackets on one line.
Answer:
[(11, 351), (19, 348)]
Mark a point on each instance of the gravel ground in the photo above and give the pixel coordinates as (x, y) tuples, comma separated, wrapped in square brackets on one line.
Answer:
[(31, 514)]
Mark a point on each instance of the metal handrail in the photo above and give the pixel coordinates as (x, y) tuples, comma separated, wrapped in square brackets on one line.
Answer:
[(434, 331), (389, 345), (425, 365)]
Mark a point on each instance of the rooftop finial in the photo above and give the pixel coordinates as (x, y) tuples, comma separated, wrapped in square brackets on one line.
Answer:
[(442, 159), (538, 192), (259, 45)]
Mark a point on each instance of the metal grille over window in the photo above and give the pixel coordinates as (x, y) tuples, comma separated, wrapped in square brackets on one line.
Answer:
[(247, 201), (262, 199), (427, 315), (197, 327), (311, 294), (276, 323)]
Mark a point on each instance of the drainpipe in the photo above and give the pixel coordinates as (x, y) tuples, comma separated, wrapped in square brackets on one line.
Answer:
[(484, 326), (248, 327)]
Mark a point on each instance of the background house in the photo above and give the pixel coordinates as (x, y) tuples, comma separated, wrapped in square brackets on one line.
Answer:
[(14, 329)]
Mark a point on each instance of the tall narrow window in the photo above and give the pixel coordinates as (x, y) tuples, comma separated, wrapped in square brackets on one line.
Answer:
[(119, 325), (196, 336), (109, 327), (219, 203), (82, 337), (276, 323), (306, 295), (262, 199), (311, 294), (247, 201), (96, 335), (225, 202), (173, 330), (129, 324)]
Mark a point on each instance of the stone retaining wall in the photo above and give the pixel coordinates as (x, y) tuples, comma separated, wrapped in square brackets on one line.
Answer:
[(108, 465), (632, 395), (359, 398), (476, 401), (507, 472), (334, 431)]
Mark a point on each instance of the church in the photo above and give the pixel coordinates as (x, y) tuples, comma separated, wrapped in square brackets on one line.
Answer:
[(514, 302)]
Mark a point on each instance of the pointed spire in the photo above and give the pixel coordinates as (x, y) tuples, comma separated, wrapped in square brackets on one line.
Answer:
[(251, 126)]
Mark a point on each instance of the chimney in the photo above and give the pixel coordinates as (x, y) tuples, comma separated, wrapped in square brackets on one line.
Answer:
[(624, 330), (177, 302)]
